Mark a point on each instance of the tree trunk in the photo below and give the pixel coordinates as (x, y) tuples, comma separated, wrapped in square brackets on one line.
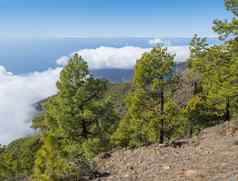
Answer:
[(190, 124), (227, 113), (195, 90), (162, 120), (190, 128), (84, 131)]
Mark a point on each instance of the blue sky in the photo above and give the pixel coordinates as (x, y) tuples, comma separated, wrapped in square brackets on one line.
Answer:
[(109, 18)]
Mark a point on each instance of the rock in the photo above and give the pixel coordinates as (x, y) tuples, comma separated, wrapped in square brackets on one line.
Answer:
[(235, 142), (105, 155), (190, 173), (166, 167), (179, 143)]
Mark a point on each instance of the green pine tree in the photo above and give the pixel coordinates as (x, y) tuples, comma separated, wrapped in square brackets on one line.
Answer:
[(225, 28), (151, 108), (76, 125)]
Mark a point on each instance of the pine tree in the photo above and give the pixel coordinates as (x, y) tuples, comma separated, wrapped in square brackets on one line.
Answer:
[(226, 74), (151, 109), (215, 68), (225, 28), (232, 5), (196, 68), (76, 125), (223, 84), (226, 61)]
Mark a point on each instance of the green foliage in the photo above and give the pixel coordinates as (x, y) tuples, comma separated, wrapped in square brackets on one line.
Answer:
[(118, 93), (60, 159), (198, 48), (232, 5), (17, 159), (215, 82), (226, 28), (151, 109), (76, 125)]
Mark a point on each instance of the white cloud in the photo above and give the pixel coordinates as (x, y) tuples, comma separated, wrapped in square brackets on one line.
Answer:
[(18, 93), (109, 57), (62, 61), (125, 57), (4, 73), (182, 52)]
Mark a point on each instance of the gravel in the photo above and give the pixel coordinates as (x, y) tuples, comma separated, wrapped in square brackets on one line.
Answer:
[(211, 156)]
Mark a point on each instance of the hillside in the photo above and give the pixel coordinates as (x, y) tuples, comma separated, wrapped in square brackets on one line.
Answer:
[(114, 75), (125, 75), (211, 156)]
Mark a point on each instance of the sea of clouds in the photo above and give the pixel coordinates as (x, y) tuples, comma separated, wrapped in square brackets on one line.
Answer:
[(18, 93), (125, 57)]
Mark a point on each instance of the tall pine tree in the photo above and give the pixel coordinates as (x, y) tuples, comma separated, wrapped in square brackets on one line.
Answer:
[(76, 125), (151, 108)]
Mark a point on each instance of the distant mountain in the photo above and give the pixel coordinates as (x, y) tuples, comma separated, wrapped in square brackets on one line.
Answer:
[(180, 67), (114, 75), (124, 75)]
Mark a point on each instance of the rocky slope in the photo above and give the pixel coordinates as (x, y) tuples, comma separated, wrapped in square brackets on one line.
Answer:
[(211, 156)]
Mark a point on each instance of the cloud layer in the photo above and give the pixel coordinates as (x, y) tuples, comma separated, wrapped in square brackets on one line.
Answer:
[(62, 60), (18, 93), (108, 57), (124, 58), (182, 53)]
